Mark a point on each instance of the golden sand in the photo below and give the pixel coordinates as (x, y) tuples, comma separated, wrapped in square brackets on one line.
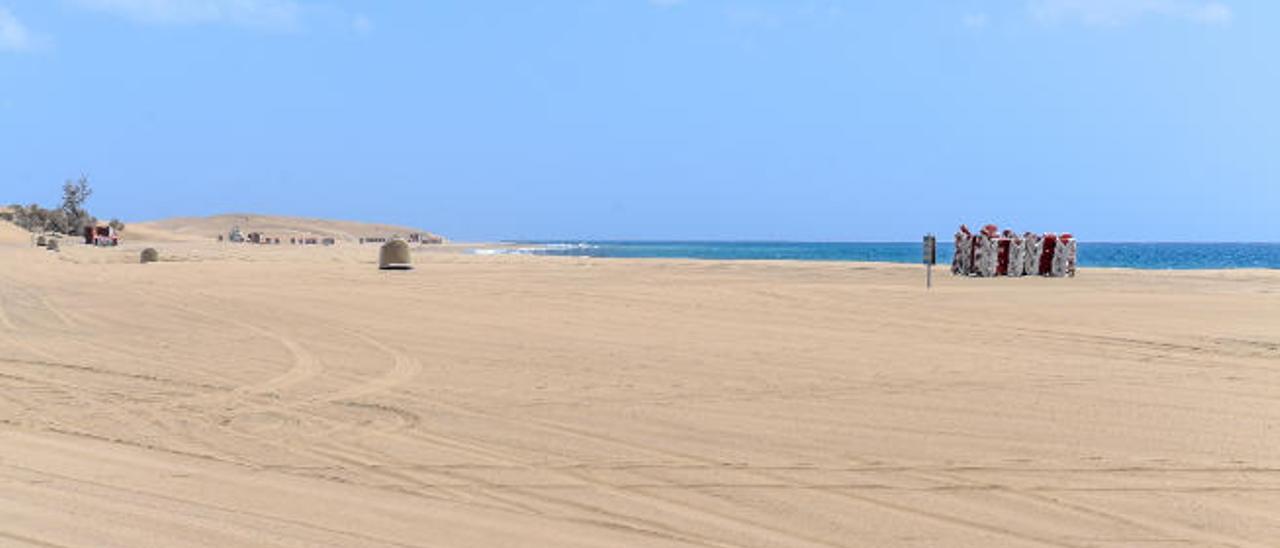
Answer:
[(235, 395)]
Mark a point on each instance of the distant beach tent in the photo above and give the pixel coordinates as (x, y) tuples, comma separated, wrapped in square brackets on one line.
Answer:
[(150, 255), (394, 255), (992, 253)]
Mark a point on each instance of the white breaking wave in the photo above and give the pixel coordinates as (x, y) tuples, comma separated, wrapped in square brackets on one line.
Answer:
[(530, 250)]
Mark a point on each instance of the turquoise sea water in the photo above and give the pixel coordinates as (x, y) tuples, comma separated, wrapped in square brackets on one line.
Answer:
[(1100, 254)]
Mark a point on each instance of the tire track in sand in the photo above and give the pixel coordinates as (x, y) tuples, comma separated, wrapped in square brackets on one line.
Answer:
[(403, 370), (406, 368), (56, 311), (28, 541), (928, 515), (1161, 530), (32, 295), (5, 321), (4, 316), (631, 522), (304, 367)]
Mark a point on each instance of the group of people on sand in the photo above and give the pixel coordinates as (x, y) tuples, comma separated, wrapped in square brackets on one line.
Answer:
[(991, 253)]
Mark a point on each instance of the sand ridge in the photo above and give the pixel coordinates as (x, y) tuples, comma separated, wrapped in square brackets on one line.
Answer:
[(180, 229), (13, 234), (237, 395)]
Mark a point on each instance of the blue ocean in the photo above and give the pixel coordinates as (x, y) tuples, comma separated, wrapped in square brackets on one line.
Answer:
[(1091, 254)]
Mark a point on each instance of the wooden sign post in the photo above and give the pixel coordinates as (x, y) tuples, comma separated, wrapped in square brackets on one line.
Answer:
[(930, 258)]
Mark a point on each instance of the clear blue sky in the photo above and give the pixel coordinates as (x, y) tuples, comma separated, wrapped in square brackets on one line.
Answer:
[(721, 119)]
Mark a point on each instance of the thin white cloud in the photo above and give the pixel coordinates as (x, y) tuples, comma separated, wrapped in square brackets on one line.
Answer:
[(1120, 12), (14, 36), (754, 17), (361, 24), (975, 20), (765, 15), (269, 14)]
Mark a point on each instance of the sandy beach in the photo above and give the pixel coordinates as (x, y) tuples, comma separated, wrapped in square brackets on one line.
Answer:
[(236, 395)]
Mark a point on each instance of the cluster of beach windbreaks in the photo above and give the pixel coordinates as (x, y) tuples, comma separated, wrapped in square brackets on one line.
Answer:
[(1156, 256)]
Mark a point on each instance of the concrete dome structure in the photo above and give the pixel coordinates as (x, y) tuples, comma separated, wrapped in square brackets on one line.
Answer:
[(150, 255), (394, 255)]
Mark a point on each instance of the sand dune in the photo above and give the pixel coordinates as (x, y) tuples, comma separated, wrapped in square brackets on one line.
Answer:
[(206, 228), (13, 234), (275, 396)]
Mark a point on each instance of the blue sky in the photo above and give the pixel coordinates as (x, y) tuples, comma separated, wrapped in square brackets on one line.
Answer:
[(708, 119)]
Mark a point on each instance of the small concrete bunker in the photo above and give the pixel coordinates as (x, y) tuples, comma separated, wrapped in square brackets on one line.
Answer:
[(394, 255)]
